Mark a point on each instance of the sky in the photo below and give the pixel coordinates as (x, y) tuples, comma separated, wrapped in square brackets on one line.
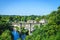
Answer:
[(28, 7)]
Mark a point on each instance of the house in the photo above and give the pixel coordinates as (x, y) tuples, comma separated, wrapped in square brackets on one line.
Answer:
[(31, 21), (43, 21)]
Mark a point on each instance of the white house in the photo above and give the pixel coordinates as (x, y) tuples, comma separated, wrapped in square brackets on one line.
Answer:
[(31, 21), (43, 21)]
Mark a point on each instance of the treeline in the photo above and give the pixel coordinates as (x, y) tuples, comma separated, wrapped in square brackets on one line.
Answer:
[(20, 18)]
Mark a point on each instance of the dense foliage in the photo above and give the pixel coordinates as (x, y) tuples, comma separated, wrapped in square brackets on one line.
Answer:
[(49, 31)]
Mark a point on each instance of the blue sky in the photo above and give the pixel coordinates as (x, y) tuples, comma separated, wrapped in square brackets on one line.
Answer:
[(28, 7)]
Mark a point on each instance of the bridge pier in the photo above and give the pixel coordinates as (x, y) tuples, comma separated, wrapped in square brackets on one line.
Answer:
[(30, 25)]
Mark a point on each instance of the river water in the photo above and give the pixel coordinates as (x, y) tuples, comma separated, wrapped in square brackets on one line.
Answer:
[(17, 35)]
